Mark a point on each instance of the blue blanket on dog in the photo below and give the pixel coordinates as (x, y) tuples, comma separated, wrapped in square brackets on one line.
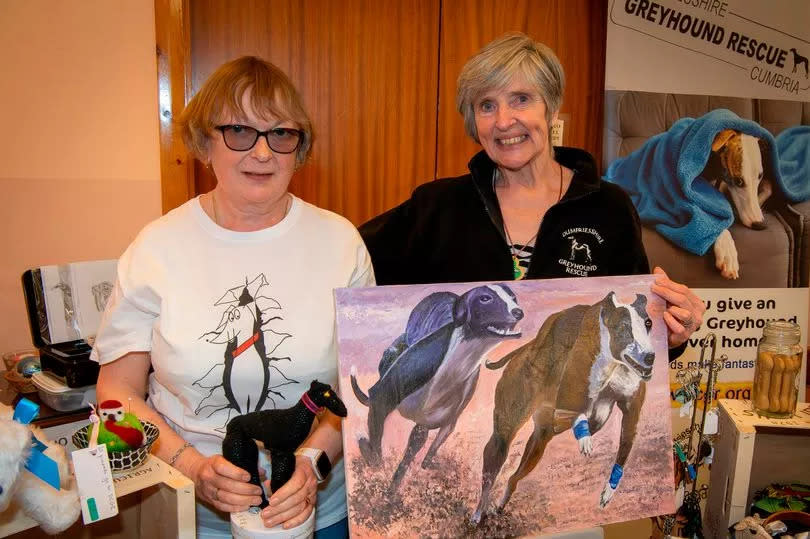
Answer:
[(664, 181)]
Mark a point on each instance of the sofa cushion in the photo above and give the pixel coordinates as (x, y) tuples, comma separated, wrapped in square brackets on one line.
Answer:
[(633, 117), (776, 116), (798, 215), (694, 106), (773, 244)]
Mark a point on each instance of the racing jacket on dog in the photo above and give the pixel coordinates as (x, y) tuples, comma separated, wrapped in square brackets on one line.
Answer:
[(451, 230)]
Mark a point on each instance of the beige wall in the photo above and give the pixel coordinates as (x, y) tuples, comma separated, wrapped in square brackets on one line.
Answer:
[(79, 156)]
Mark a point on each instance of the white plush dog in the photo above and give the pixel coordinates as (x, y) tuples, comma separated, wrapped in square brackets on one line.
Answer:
[(54, 510)]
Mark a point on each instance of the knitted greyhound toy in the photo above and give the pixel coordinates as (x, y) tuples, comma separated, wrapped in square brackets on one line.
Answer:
[(281, 432)]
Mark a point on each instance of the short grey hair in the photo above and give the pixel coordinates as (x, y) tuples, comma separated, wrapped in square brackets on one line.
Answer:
[(494, 67)]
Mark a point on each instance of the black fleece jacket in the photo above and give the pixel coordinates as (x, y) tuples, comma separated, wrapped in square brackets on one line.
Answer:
[(451, 230)]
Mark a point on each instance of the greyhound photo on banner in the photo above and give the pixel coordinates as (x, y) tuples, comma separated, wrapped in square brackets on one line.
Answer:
[(504, 409), (707, 127)]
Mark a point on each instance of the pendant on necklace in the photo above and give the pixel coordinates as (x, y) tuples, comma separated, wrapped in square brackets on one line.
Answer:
[(517, 270)]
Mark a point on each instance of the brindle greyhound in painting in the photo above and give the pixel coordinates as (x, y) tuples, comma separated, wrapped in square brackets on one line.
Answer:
[(583, 360)]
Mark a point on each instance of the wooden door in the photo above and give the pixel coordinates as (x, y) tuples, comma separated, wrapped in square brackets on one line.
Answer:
[(378, 79), (367, 71), (574, 29)]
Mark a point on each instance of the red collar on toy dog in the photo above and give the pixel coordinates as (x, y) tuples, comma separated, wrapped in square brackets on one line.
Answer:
[(314, 408)]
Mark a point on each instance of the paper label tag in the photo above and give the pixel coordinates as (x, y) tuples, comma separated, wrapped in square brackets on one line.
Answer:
[(557, 132), (95, 483), (710, 426), (686, 409), (679, 496)]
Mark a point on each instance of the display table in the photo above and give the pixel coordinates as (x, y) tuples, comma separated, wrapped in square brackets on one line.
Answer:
[(750, 453), (166, 502)]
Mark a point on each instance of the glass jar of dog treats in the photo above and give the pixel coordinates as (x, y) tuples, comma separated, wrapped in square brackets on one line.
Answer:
[(779, 360)]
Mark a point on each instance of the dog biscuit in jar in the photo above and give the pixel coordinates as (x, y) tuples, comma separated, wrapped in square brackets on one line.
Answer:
[(779, 360)]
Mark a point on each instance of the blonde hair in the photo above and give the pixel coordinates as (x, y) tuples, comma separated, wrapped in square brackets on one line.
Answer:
[(271, 94), (494, 67)]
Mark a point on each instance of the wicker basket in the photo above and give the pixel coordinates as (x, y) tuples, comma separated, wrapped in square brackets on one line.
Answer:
[(122, 460), (20, 383), (12, 358)]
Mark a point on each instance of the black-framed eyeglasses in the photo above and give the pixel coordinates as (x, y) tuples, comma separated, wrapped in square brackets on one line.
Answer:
[(241, 138)]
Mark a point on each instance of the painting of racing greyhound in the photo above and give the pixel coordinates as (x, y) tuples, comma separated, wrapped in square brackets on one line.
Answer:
[(441, 381)]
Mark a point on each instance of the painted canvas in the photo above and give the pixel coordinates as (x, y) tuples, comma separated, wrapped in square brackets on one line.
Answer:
[(504, 409)]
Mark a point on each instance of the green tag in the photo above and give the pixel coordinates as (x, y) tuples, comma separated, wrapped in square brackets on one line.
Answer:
[(95, 483), (91, 507), (680, 453)]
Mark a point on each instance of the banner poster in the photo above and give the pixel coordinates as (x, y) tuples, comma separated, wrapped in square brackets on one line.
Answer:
[(736, 317), (707, 127)]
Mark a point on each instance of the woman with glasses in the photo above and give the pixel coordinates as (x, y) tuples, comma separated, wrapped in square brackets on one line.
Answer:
[(228, 299)]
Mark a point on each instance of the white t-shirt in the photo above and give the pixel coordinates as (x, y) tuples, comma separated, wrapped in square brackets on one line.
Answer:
[(205, 301)]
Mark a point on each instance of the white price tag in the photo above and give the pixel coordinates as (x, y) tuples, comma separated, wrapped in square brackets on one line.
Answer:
[(686, 409), (95, 483), (710, 427), (557, 127), (679, 496)]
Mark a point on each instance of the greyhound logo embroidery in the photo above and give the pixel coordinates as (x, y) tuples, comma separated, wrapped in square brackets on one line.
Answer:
[(576, 247), (247, 356), (580, 256)]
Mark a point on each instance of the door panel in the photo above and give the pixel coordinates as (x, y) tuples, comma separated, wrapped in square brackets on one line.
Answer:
[(379, 81), (367, 71), (574, 29)]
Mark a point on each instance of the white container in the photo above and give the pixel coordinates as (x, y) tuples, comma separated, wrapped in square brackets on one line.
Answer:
[(248, 525), (60, 397)]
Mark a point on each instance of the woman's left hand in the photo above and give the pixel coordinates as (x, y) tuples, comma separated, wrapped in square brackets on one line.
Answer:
[(684, 313), (292, 504)]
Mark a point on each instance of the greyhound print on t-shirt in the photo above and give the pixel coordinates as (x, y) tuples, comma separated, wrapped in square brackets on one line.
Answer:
[(242, 381)]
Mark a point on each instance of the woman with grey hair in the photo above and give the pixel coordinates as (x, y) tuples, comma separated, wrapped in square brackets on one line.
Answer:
[(526, 209)]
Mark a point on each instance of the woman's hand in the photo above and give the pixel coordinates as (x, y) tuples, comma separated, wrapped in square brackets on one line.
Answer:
[(292, 504), (216, 480), (222, 484), (685, 310)]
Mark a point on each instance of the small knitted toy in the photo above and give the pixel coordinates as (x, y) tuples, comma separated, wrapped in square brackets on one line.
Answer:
[(281, 432), (118, 430)]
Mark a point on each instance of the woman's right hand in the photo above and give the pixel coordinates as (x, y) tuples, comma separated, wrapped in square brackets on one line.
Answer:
[(222, 484)]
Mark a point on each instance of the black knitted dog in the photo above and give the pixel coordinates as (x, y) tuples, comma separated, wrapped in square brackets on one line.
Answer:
[(281, 432)]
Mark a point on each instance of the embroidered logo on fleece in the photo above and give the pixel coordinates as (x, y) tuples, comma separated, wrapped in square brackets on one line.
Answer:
[(581, 241), (249, 374)]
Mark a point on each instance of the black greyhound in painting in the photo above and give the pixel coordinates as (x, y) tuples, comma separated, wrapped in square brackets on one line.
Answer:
[(430, 372), (281, 432)]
